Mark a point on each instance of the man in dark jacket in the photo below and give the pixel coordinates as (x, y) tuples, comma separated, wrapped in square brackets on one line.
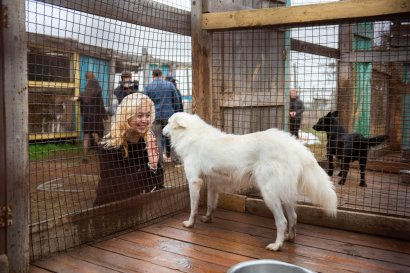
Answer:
[(296, 108), (164, 95), (126, 87)]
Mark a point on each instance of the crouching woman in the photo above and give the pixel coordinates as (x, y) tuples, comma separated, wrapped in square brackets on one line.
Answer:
[(128, 154)]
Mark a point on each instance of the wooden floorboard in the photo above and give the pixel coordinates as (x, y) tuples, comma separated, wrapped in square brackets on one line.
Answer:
[(230, 239)]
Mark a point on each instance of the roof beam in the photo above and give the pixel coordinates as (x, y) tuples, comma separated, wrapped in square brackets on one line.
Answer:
[(306, 47), (143, 12)]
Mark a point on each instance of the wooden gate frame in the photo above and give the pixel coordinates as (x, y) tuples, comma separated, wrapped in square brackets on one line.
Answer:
[(205, 20), (15, 142)]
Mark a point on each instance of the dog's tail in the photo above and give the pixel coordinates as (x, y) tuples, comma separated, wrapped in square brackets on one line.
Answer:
[(373, 141), (315, 183)]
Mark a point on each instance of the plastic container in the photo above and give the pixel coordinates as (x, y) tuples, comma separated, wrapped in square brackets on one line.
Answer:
[(267, 266)]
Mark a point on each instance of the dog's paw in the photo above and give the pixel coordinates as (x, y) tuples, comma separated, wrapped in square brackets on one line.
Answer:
[(363, 184), (188, 224), (290, 236), (206, 219), (274, 246)]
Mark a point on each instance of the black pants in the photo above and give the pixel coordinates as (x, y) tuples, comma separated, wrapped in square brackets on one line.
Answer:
[(294, 126)]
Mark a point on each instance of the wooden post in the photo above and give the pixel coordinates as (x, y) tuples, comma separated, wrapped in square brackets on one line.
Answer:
[(15, 129), (146, 60), (3, 239), (201, 53), (345, 92)]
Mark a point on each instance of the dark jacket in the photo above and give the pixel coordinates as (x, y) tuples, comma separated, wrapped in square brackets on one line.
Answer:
[(178, 105), (297, 106), (122, 178), (163, 94), (121, 93), (177, 100), (92, 108)]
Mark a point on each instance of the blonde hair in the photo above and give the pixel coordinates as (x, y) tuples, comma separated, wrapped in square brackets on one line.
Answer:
[(117, 137)]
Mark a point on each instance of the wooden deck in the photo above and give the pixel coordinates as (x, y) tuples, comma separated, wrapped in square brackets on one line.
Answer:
[(230, 239)]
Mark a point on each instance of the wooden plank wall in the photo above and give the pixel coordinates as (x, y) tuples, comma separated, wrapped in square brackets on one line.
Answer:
[(92, 224), (247, 74)]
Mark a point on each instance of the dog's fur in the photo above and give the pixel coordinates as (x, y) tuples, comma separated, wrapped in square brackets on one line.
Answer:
[(346, 147), (273, 161)]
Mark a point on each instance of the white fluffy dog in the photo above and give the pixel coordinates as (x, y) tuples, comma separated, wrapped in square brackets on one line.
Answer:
[(273, 161)]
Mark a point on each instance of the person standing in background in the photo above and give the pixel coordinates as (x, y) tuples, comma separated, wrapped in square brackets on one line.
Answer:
[(126, 87), (92, 112), (296, 109), (164, 95)]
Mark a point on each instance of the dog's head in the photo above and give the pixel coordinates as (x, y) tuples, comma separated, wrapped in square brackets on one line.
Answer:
[(176, 123), (325, 123)]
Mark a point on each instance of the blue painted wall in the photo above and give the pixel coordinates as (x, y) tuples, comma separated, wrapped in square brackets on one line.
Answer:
[(101, 70)]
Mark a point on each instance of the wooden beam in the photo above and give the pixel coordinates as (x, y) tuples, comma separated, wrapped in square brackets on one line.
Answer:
[(230, 5), (15, 130), (201, 75), (381, 225), (68, 45), (142, 12), (97, 222), (250, 99), (348, 9), (305, 47), (376, 56)]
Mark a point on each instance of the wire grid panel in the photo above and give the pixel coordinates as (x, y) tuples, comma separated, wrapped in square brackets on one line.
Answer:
[(98, 161), (347, 87)]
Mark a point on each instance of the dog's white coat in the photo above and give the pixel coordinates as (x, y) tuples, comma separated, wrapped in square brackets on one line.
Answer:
[(273, 161)]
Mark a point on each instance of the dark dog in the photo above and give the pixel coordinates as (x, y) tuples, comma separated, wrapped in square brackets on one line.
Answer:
[(346, 147)]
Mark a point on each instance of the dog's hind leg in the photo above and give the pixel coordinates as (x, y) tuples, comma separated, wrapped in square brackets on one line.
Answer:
[(292, 219), (362, 163), (274, 204), (194, 191), (212, 202), (330, 164)]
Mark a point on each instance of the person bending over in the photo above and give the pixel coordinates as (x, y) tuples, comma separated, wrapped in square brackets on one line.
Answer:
[(128, 154)]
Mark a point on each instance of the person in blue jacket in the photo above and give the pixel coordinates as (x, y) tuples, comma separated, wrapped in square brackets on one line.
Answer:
[(165, 97)]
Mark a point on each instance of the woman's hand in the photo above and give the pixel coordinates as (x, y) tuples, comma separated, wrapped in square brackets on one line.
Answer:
[(152, 150)]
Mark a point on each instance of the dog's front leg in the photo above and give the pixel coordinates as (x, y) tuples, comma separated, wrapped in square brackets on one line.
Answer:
[(212, 202), (344, 170), (194, 191)]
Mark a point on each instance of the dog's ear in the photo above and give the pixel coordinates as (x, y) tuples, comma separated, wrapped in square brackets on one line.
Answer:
[(180, 121), (335, 114), (329, 115)]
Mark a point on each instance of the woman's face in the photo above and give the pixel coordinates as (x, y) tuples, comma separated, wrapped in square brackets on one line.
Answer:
[(141, 120)]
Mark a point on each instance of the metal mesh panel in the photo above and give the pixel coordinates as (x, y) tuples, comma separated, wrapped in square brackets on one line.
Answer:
[(352, 79), (93, 173)]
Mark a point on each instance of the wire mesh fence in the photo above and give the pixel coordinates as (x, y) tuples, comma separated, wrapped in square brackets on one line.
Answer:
[(94, 164), (341, 89), (98, 161)]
